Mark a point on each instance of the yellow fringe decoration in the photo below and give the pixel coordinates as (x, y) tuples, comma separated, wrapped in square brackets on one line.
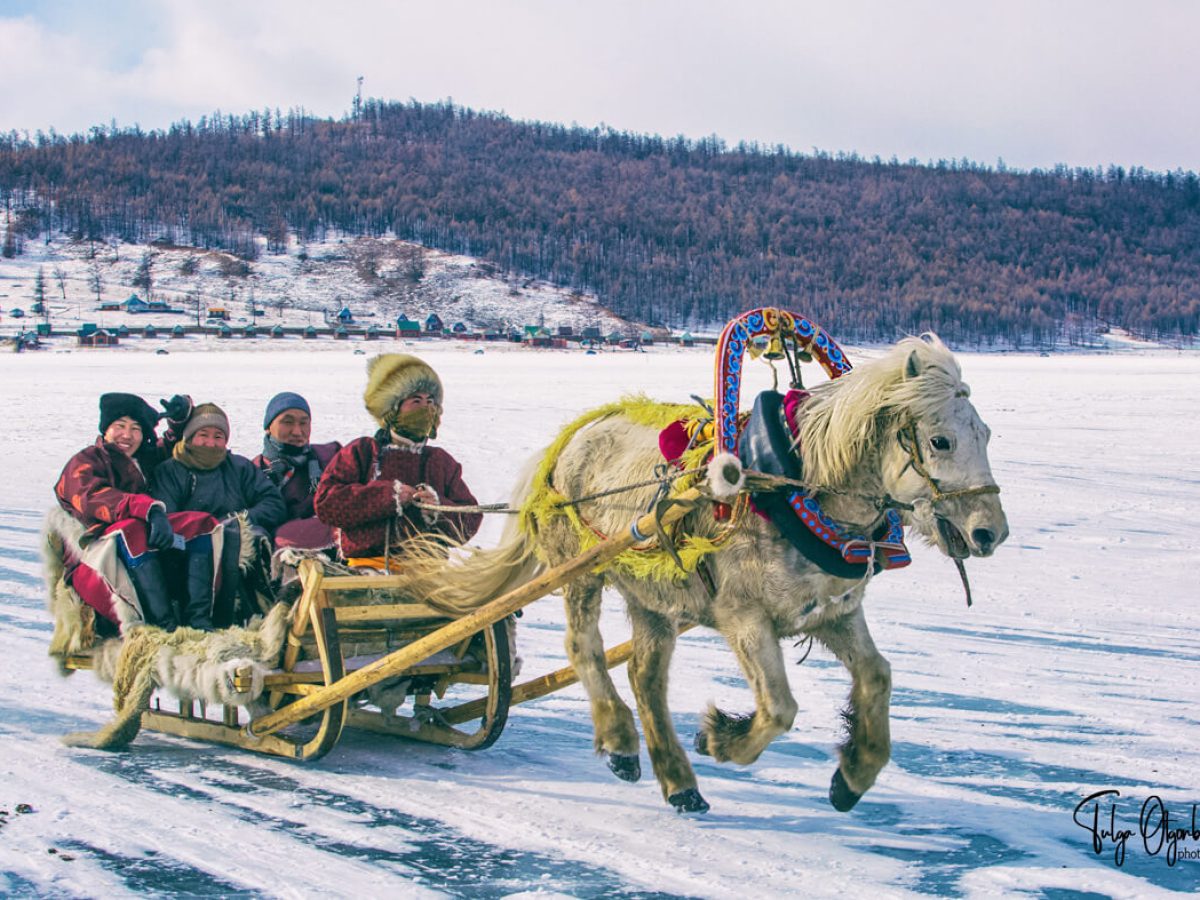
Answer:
[(545, 503)]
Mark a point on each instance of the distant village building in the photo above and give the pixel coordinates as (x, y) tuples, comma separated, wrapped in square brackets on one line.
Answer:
[(405, 327), (224, 331), (538, 337), (178, 331), (345, 316), (250, 331), (277, 332), (218, 312), (647, 339), (592, 332), (433, 324), (565, 331), (341, 334), (614, 337), (458, 328), (372, 333), (97, 338), (149, 331), (686, 340)]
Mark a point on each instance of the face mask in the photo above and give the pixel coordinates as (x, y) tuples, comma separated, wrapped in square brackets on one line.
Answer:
[(416, 424)]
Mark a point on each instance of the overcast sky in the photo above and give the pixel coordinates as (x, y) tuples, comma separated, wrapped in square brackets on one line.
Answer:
[(1032, 82)]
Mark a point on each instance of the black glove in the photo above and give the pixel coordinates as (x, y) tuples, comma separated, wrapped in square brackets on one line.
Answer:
[(160, 535), (178, 408)]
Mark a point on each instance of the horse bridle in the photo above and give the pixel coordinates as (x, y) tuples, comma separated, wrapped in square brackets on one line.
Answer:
[(916, 461)]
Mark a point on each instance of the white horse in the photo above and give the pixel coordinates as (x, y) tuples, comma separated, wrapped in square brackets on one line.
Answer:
[(898, 433)]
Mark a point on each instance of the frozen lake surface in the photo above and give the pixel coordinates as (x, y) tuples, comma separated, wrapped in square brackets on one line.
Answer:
[(1077, 670)]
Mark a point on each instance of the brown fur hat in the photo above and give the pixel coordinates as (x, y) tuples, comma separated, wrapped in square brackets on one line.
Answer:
[(392, 378)]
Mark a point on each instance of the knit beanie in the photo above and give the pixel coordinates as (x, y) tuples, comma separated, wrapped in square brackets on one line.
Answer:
[(116, 406), (206, 415), (281, 403), (394, 377)]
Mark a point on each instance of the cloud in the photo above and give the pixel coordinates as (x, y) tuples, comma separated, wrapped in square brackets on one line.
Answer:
[(1035, 83)]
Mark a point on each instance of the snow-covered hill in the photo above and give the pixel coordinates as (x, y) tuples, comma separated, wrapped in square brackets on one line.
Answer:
[(377, 278)]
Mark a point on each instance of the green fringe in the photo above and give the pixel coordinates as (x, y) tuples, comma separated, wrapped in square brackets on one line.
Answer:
[(543, 504)]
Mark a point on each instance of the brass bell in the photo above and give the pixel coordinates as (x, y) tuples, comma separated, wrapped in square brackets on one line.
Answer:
[(774, 348)]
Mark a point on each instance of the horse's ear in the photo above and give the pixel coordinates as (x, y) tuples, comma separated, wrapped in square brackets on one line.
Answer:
[(912, 366)]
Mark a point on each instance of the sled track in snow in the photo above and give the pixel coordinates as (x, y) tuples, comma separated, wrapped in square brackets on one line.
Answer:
[(952, 811)]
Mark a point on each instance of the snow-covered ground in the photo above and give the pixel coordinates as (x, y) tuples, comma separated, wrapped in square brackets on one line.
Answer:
[(1077, 670)]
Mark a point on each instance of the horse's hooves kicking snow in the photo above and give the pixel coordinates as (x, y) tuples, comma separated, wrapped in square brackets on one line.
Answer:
[(840, 795), (688, 801), (625, 766)]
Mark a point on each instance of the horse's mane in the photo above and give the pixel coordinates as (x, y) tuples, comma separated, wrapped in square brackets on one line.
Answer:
[(845, 418)]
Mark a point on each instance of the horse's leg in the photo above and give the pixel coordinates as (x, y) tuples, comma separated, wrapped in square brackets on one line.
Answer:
[(868, 744), (653, 644), (741, 739), (615, 733)]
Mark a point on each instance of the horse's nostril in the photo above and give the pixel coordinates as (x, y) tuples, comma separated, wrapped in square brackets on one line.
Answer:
[(983, 537)]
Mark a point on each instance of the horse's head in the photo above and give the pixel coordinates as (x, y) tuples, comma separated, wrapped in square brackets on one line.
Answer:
[(939, 462), (906, 424)]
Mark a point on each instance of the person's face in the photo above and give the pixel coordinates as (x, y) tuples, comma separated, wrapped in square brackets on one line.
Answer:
[(417, 401), (209, 436), (126, 434), (292, 426)]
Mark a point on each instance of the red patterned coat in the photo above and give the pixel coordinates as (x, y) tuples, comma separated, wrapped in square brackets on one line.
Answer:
[(100, 485), (357, 496)]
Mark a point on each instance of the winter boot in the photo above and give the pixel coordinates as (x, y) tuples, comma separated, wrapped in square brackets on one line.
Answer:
[(198, 609), (153, 594)]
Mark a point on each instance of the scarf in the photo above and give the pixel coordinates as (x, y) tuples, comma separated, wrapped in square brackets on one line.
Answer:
[(285, 459), (200, 459), (417, 424)]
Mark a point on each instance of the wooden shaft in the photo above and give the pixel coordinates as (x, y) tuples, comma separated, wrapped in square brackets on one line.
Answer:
[(396, 662)]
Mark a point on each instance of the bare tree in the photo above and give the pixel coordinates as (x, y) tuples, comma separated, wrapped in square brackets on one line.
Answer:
[(95, 281), (60, 275)]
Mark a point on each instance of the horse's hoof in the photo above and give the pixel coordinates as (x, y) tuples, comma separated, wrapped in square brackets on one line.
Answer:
[(840, 795), (625, 766), (702, 743), (688, 801)]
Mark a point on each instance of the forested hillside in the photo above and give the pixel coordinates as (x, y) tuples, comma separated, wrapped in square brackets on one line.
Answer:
[(666, 231)]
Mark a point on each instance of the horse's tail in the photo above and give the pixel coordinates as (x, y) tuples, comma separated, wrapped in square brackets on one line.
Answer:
[(462, 584)]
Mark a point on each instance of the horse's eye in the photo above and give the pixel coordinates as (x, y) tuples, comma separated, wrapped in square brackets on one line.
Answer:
[(940, 442)]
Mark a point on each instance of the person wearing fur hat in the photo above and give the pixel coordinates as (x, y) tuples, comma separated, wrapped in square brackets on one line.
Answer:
[(203, 476), (295, 466), (105, 489), (370, 492)]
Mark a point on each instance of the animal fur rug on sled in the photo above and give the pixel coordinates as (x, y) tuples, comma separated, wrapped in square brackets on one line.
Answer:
[(188, 663), (191, 664)]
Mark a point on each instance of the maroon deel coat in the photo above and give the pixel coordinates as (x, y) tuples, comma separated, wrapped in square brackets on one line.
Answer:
[(357, 496), (100, 485)]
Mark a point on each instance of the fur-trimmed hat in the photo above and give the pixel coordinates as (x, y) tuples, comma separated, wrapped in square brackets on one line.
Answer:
[(394, 377), (206, 415), (116, 406)]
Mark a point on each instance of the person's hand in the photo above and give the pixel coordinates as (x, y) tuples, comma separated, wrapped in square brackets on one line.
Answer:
[(404, 493), (178, 409), (159, 535), (425, 494)]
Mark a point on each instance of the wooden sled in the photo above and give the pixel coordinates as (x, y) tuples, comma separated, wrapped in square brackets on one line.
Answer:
[(458, 671)]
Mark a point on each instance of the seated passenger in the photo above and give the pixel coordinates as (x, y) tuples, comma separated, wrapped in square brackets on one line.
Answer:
[(104, 488), (295, 467), (367, 493), (202, 475)]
